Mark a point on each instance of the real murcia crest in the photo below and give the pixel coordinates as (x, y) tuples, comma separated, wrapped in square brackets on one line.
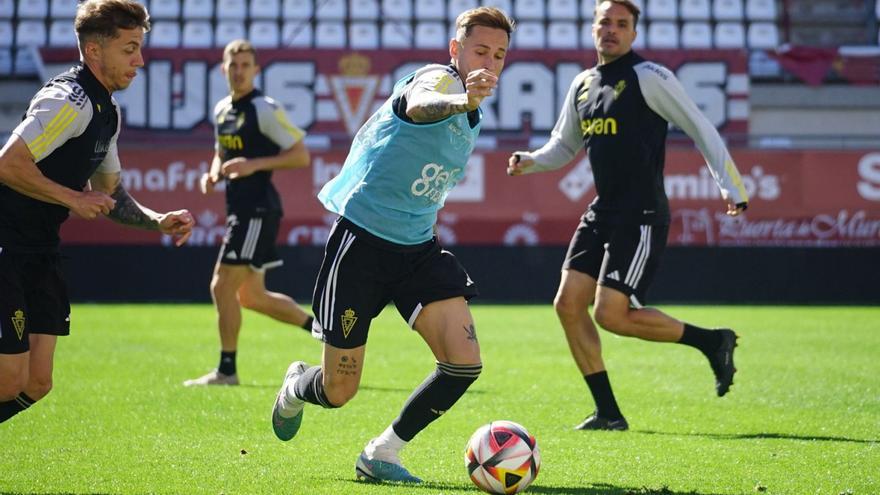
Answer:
[(18, 322), (618, 88), (354, 90), (584, 95), (348, 320), (586, 92)]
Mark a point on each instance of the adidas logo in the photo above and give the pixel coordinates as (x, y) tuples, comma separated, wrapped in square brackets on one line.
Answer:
[(231, 256), (613, 276)]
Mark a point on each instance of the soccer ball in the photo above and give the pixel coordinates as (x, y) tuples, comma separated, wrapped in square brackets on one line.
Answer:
[(502, 457)]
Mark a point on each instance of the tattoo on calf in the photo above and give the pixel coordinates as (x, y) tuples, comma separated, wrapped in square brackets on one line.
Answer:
[(348, 366), (471, 332)]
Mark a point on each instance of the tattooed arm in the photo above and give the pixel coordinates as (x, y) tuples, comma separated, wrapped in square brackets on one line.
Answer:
[(129, 212), (431, 103)]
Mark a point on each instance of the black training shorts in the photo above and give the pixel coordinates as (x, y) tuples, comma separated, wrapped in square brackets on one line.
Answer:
[(623, 257), (362, 273), (250, 240), (33, 299)]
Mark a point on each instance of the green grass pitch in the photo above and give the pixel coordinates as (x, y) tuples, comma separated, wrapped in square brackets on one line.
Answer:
[(802, 418)]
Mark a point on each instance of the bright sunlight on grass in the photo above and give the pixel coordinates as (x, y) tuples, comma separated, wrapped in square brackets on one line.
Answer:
[(803, 416)]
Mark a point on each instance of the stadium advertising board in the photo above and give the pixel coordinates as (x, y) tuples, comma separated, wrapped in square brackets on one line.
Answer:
[(332, 92), (798, 198)]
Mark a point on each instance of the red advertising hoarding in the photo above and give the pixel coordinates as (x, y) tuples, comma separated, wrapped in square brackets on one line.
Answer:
[(798, 198)]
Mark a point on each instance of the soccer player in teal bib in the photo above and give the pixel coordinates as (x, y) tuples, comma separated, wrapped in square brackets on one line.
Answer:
[(402, 164)]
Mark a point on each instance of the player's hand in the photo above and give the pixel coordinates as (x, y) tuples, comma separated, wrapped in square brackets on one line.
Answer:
[(517, 164), (734, 209), (178, 224), (479, 84), (207, 183), (90, 204), (237, 168)]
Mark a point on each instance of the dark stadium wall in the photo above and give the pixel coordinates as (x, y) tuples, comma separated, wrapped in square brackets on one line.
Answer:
[(730, 275)]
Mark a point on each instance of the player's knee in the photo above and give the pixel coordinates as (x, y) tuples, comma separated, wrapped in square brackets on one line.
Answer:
[(12, 384), (339, 392), (610, 319), (248, 300), (39, 387), (568, 307), (215, 288), (222, 286), (340, 396)]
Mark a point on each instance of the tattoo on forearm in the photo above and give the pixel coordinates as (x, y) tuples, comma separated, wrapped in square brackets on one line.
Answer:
[(471, 332), (128, 212), (348, 366), (440, 109)]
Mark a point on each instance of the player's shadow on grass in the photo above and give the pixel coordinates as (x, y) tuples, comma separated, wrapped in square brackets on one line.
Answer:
[(427, 485), (362, 387), (406, 390), (593, 489), (606, 489), (761, 436), (52, 493)]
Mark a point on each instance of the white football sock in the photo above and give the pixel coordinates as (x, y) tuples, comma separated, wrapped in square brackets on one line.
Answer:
[(289, 402), (386, 447)]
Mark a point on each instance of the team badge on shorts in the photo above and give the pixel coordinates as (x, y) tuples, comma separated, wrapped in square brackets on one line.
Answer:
[(348, 321), (18, 323)]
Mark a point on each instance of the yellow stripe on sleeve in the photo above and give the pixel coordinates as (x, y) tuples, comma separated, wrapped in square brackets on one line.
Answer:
[(58, 124), (294, 131), (443, 84), (62, 114)]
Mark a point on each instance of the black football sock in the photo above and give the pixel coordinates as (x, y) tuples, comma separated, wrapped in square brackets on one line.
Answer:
[(12, 407), (307, 325), (705, 340), (600, 388), (310, 388), (434, 397), (227, 363)]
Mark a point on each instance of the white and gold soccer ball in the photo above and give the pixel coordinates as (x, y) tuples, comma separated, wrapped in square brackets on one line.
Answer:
[(502, 457)]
